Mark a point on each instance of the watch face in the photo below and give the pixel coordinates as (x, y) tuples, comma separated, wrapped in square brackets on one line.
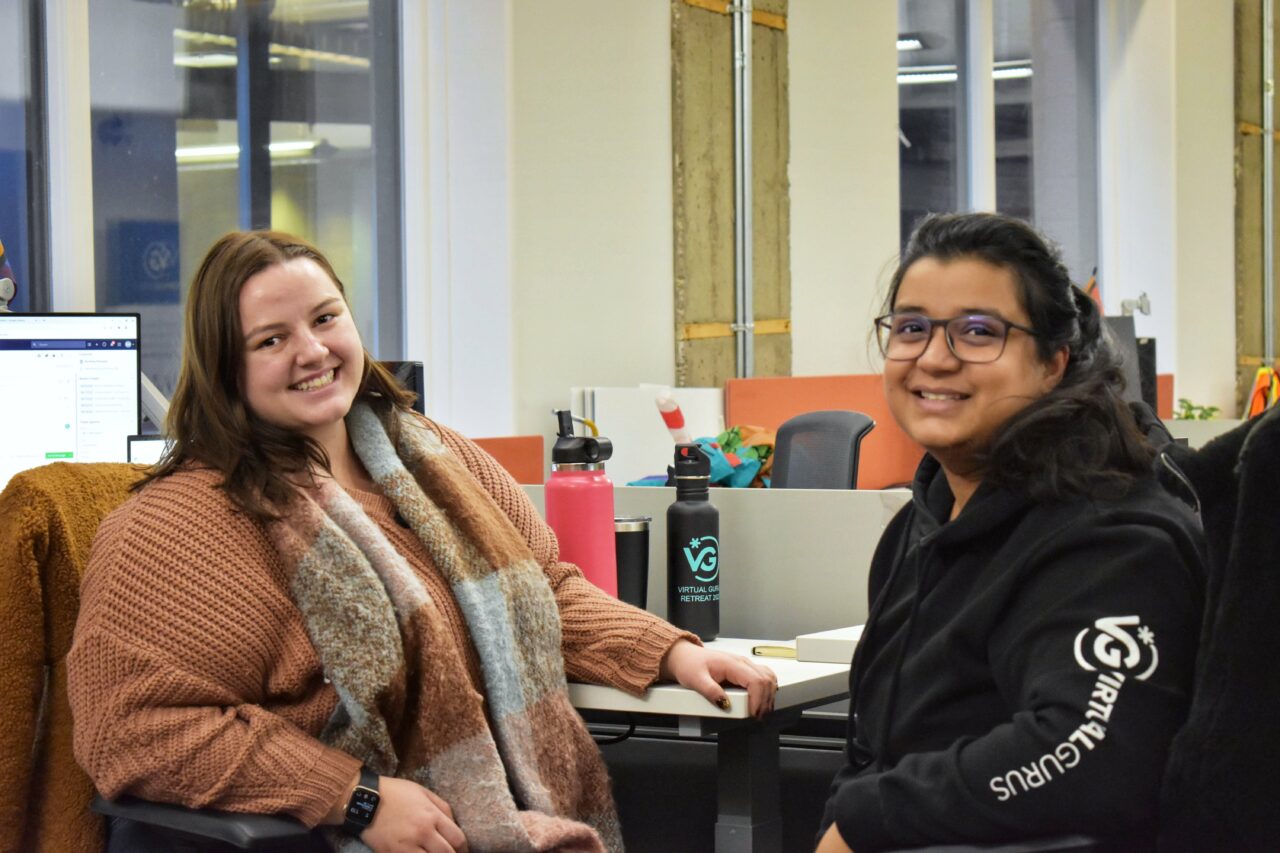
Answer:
[(362, 805)]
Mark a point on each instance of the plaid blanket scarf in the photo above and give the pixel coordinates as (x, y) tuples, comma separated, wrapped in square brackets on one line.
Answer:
[(526, 775)]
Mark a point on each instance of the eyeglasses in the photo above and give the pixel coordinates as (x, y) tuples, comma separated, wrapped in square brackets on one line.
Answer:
[(972, 338)]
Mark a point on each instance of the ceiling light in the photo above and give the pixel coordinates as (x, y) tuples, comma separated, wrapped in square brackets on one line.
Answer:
[(274, 48), (230, 152), (909, 43), (205, 60), (213, 60), (916, 79), (914, 75)]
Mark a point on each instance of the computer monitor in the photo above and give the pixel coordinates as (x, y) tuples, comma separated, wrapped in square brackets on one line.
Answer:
[(410, 376), (69, 386), (1125, 341), (147, 449)]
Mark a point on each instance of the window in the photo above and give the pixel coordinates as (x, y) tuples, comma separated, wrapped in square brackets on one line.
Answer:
[(21, 153), (319, 119), (1044, 73), (930, 109)]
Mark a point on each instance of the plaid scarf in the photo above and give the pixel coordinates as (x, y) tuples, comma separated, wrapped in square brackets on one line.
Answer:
[(524, 776)]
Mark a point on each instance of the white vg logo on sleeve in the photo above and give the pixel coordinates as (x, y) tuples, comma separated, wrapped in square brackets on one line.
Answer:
[(1109, 649), (1108, 645)]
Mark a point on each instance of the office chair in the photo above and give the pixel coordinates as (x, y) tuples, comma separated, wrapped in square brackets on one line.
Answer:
[(48, 518), (819, 450), (1220, 787)]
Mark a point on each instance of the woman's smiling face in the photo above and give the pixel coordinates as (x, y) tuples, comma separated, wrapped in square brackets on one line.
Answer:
[(303, 360), (950, 407)]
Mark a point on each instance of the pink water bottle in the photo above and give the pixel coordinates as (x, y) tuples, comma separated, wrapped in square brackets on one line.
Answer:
[(579, 501)]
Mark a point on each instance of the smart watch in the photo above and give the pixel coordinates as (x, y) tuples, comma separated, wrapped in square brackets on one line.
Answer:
[(362, 804)]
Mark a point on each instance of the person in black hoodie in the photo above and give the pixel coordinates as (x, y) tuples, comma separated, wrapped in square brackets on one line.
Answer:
[(1034, 610)]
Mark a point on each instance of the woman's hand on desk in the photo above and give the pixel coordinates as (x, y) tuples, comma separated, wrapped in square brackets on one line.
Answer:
[(704, 670)]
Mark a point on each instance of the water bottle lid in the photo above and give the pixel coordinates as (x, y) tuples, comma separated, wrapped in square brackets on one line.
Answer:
[(571, 449), (691, 462)]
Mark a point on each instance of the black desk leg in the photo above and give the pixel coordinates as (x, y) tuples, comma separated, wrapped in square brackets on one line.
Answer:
[(749, 819)]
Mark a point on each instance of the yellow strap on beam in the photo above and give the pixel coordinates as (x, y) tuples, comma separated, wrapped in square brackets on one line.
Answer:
[(1257, 361), (705, 331), (1245, 128), (771, 20)]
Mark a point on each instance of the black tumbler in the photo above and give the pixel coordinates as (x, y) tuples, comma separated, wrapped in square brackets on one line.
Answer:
[(631, 534)]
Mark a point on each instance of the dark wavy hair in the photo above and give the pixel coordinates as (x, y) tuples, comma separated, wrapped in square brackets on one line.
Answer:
[(209, 422), (1080, 438)]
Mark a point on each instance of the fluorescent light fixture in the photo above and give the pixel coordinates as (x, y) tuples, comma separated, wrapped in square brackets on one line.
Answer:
[(1016, 73), (916, 79), (909, 43), (275, 49), (205, 60), (1011, 69), (229, 152), (213, 60)]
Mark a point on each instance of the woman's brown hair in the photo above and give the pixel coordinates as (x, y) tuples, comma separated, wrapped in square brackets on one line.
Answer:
[(209, 422)]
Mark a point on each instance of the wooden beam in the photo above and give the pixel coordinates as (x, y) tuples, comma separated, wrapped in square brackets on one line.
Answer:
[(720, 7), (703, 331)]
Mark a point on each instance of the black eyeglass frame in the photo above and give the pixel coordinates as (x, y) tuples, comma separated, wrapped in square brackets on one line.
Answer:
[(884, 322)]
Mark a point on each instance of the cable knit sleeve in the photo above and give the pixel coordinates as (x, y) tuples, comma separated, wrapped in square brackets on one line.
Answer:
[(605, 641), (191, 678)]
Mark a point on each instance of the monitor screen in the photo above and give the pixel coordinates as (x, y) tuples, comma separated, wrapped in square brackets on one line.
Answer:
[(69, 384), (1125, 342), (147, 449)]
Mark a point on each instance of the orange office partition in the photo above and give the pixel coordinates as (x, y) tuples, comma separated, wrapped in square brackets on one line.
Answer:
[(1164, 396), (521, 455), (887, 457)]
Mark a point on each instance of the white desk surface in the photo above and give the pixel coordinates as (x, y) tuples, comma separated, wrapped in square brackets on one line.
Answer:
[(798, 684)]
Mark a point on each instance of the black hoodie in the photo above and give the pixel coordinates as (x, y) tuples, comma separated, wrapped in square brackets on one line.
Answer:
[(1023, 669)]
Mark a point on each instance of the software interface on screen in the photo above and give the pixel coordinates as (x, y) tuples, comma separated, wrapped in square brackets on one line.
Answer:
[(68, 388)]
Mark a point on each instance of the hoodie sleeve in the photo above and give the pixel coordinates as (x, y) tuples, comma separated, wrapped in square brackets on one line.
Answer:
[(1094, 659)]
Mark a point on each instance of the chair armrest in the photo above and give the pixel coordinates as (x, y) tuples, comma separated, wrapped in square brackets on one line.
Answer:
[(244, 831)]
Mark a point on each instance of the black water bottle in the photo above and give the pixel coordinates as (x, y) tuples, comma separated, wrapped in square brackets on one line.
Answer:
[(693, 547)]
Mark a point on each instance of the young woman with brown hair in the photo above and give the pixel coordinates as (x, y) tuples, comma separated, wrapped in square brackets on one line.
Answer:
[(323, 605)]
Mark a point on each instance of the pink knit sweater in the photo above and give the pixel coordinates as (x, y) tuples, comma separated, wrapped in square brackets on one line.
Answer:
[(192, 678)]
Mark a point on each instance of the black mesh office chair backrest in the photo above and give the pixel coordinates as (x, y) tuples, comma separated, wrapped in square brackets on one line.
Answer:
[(819, 450)]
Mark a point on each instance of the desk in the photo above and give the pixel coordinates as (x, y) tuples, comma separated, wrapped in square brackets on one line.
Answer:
[(746, 749)]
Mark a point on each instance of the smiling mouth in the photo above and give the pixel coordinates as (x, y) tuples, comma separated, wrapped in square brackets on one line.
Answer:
[(935, 395), (319, 382)]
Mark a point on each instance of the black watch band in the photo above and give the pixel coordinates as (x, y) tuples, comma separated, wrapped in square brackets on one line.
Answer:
[(362, 804)]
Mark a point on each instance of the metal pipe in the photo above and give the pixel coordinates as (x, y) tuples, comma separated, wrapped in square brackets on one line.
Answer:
[(743, 280), (980, 105), (1268, 183)]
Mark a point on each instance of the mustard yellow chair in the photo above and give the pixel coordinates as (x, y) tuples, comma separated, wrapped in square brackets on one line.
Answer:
[(48, 517)]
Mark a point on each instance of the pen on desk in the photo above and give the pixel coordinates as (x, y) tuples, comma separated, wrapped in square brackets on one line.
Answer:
[(773, 651)]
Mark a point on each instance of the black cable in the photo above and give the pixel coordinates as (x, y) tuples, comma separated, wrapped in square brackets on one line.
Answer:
[(609, 741)]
